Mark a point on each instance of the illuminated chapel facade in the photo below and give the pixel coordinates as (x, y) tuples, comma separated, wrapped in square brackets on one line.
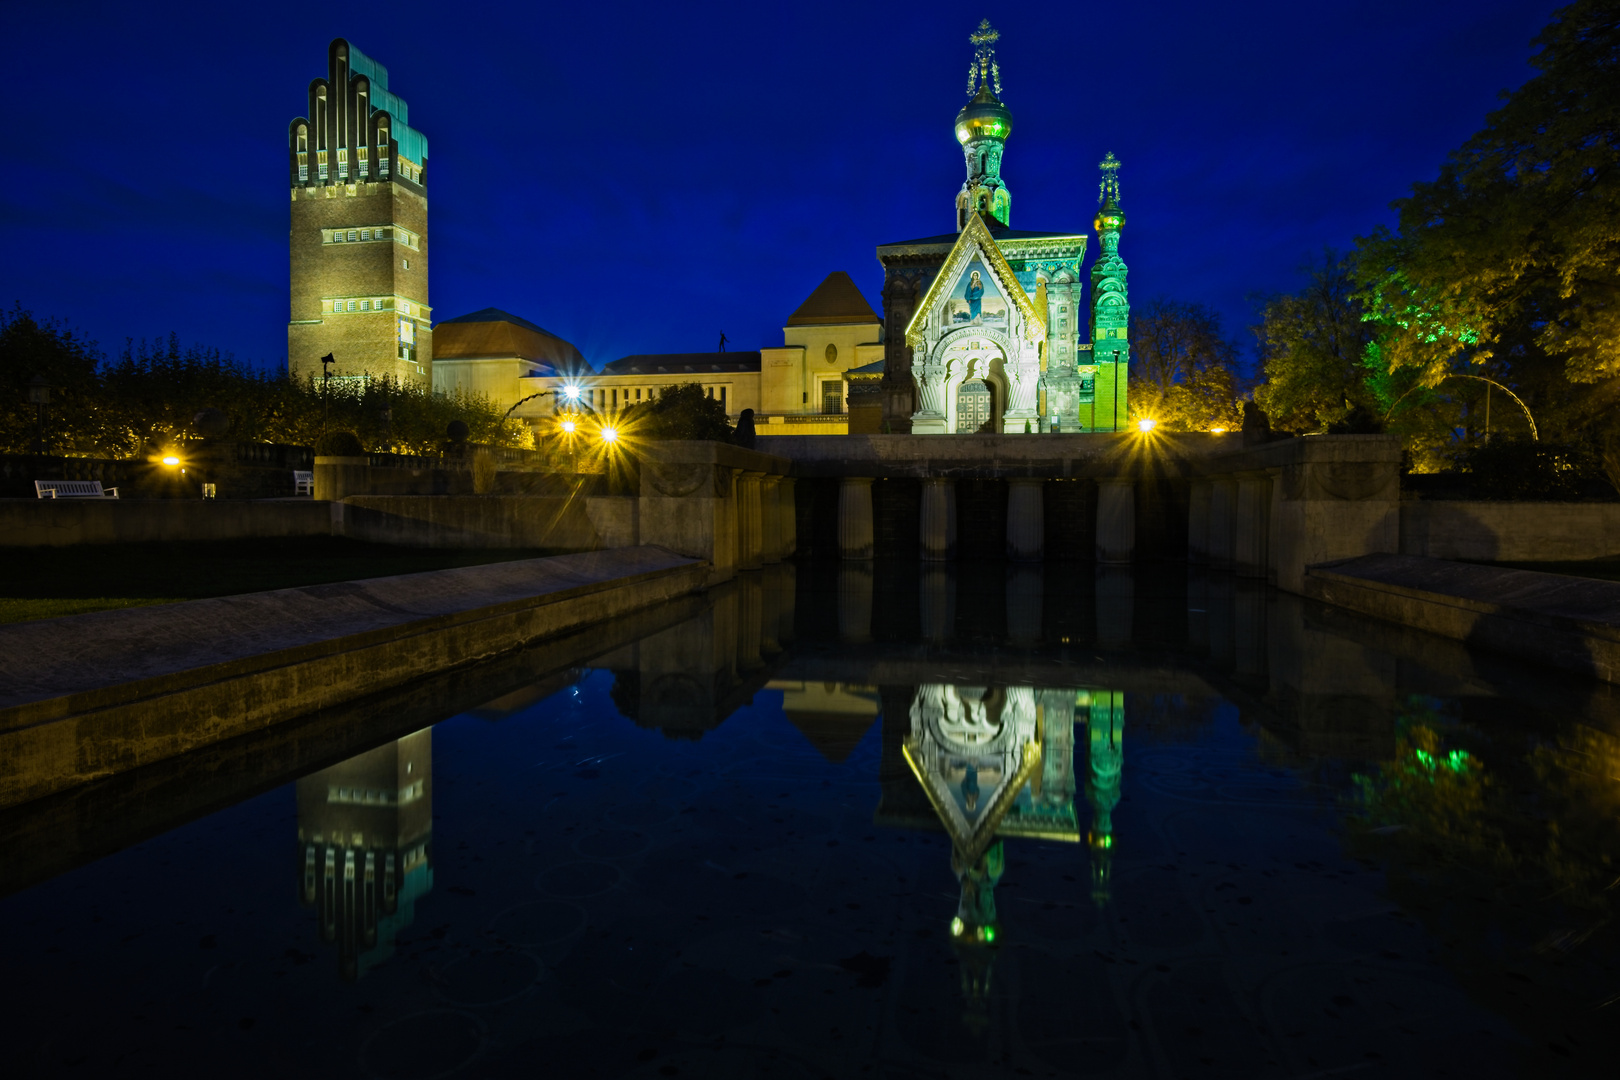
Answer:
[(985, 324)]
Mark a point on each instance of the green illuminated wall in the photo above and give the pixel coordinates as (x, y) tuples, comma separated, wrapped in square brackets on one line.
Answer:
[(1110, 306)]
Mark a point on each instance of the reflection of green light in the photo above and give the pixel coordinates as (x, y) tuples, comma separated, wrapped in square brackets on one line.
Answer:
[(989, 933), (1458, 761), (956, 927), (1425, 759), (1108, 841)]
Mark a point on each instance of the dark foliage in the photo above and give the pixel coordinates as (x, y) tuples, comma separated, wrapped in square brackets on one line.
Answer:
[(339, 444), (679, 412)]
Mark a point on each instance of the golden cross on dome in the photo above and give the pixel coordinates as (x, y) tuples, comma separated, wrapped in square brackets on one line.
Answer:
[(984, 67)]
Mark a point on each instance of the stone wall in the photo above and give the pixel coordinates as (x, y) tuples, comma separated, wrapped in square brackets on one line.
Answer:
[(1510, 531), (68, 522), (468, 521)]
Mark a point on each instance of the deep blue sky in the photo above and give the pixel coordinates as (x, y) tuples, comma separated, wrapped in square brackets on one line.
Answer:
[(637, 178)]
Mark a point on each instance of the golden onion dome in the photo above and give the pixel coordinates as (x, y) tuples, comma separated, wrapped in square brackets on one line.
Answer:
[(984, 117)]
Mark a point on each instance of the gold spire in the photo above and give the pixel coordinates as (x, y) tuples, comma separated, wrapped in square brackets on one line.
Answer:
[(984, 70)]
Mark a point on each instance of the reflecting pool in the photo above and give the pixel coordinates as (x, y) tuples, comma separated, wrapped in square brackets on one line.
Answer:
[(833, 821)]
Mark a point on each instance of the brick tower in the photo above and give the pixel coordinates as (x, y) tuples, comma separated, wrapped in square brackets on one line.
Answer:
[(358, 245)]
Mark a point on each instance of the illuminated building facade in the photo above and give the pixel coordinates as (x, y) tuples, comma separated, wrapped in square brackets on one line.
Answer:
[(358, 245), (985, 323)]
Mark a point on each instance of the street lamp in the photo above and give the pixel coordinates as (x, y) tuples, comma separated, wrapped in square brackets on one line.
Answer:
[(571, 392), (39, 393)]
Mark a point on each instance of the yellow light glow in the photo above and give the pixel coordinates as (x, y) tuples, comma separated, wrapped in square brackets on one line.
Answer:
[(1145, 425), (569, 426), (171, 460), (1217, 431), (610, 435)]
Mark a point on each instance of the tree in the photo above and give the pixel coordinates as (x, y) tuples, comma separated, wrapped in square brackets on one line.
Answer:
[(679, 412), (147, 398), (1514, 249), (1312, 349), (68, 361), (1183, 371)]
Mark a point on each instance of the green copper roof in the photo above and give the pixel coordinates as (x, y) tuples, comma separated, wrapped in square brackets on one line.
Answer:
[(412, 143)]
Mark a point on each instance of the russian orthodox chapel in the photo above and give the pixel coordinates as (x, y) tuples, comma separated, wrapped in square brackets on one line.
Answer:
[(985, 323)]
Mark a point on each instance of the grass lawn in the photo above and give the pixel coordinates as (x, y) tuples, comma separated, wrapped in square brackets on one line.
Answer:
[(43, 583), (1603, 569)]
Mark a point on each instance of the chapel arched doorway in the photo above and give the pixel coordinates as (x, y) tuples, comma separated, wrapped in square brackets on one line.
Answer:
[(975, 408)]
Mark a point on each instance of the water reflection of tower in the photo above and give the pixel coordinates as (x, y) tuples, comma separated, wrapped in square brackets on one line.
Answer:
[(365, 834), (1105, 760)]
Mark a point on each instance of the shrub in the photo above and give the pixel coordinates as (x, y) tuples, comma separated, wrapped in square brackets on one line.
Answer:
[(338, 444)]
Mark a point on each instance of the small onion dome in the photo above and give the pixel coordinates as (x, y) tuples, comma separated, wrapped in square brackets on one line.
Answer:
[(1110, 218), (984, 117)]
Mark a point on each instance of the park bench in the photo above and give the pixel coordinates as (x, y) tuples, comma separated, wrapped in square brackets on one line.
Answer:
[(303, 482), (73, 489)]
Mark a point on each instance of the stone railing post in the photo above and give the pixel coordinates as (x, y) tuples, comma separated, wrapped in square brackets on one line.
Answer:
[(770, 518), (855, 517), (936, 603), (937, 520), (1116, 520), (1222, 511), (1198, 521), (1026, 519), (1251, 525), (748, 521), (855, 603), (787, 523)]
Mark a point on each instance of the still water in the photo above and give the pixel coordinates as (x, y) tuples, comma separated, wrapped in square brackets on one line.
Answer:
[(832, 823)]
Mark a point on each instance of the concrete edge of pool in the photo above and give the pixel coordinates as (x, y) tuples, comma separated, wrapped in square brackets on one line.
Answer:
[(1569, 623), (88, 696)]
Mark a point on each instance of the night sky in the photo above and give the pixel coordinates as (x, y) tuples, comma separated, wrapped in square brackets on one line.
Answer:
[(638, 178)]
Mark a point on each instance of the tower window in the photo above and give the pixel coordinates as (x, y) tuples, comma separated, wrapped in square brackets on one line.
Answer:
[(351, 305), (406, 263), (365, 305), (352, 235), (337, 237), (365, 234)]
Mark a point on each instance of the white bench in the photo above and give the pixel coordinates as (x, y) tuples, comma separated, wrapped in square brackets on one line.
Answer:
[(73, 489), (303, 482)]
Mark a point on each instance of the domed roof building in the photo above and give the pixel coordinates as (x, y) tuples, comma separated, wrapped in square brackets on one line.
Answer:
[(984, 328)]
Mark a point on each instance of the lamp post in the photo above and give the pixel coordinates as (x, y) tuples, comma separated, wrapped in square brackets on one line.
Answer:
[(39, 393)]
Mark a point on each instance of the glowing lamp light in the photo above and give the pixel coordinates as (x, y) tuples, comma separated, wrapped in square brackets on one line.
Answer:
[(1217, 431), (956, 927), (571, 393), (569, 426), (989, 933), (610, 435), (170, 459), (1146, 425)]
